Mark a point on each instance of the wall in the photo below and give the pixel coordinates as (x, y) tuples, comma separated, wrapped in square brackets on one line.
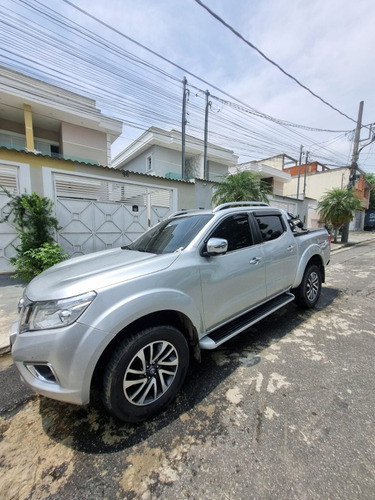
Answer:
[(10, 126), (216, 171), (185, 190), (318, 184), (167, 162), (83, 143), (35, 164)]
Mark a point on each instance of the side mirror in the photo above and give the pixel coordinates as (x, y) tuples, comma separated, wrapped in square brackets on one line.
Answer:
[(216, 246)]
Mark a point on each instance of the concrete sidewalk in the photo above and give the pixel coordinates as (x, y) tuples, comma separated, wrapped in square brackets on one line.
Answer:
[(355, 238), (11, 290)]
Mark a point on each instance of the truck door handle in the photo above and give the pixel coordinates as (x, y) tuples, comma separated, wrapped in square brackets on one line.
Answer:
[(255, 260)]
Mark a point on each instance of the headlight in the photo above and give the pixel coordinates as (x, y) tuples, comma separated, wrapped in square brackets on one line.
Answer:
[(54, 313)]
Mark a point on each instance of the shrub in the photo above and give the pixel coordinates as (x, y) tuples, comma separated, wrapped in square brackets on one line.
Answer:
[(34, 261), (36, 226)]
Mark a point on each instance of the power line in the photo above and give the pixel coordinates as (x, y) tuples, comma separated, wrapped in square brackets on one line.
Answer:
[(281, 122), (138, 91), (216, 16)]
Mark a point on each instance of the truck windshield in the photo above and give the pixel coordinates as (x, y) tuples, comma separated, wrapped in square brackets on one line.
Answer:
[(170, 235)]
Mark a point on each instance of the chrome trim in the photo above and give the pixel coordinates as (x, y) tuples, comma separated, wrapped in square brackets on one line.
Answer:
[(34, 372)]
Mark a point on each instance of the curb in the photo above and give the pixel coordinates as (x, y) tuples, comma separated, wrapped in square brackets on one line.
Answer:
[(341, 246)]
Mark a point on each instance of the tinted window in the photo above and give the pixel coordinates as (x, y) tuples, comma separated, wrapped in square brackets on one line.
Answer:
[(170, 235), (271, 226), (236, 230)]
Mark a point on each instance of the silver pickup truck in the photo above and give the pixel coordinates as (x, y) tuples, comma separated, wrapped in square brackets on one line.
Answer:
[(131, 318)]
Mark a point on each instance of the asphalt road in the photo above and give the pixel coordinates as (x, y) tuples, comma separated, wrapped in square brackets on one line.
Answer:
[(286, 411)]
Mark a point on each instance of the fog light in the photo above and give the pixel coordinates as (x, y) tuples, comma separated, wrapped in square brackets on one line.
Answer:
[(43, 372)]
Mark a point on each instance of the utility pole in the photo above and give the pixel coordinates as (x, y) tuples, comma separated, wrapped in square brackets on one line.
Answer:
[(353, 166), (205, 163), (304, 178), (299, 169), (183, 127)]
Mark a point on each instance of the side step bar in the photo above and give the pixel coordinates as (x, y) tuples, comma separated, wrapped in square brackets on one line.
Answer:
[(238, 325)]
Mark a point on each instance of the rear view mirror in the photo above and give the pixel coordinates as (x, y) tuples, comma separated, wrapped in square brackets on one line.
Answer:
[(216, 246)]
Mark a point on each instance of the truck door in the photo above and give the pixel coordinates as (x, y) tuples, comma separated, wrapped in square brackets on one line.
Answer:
[(234, 282), (280, 252)]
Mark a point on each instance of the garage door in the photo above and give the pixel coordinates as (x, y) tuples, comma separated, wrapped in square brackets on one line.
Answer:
[(96, 214)]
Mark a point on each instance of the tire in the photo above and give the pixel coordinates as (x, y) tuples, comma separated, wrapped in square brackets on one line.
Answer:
[(308, 292), (145, 373)]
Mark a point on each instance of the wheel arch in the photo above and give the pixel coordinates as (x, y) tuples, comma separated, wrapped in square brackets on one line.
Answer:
[(313, 260), (169, 317)]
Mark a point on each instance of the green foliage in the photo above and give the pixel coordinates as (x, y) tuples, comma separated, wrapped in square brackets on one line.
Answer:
[(337, 208), (33, 220), (34, 261), (371, 179), (36, 227), (244, 186)]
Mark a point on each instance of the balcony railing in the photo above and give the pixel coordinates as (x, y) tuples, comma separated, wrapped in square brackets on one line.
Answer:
[(59, 156)]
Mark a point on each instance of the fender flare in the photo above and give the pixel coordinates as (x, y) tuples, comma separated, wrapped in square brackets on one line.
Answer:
[(311, 254)]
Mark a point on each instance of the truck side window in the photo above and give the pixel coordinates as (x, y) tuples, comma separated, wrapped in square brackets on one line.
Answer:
[(271, 226), (236, 230)]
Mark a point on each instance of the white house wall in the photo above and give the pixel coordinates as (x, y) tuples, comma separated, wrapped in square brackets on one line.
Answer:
[(318, 184), (81, 142), (216, 171)]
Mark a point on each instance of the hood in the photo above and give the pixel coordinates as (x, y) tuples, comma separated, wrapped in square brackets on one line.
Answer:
[(94, 271)]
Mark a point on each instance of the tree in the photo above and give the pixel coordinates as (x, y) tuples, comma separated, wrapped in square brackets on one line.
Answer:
[(371, 179), (244, 186), (337, 208)]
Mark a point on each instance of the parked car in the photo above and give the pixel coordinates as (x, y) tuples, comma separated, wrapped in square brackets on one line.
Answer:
[(369, 219), (132, 317)]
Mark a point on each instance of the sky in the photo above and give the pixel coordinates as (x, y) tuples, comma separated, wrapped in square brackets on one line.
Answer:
[(255, 110)]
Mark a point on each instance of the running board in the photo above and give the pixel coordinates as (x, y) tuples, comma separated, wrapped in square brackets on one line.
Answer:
[(238, 325)]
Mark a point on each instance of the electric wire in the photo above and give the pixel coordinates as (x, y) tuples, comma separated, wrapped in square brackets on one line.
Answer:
[(124, 91), (235, 32)]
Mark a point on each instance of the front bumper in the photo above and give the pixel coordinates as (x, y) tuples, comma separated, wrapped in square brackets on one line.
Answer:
[(58, 363)]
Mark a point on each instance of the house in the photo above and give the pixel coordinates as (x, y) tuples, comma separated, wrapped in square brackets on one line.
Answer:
[(43, 119), (159, 152), (313, 181), (310, 182), (57, 144)]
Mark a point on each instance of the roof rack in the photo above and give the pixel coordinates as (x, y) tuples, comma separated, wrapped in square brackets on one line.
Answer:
[(184, 212), (240, 204)]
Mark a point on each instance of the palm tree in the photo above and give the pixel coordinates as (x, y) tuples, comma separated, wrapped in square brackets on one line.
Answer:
[(244, 186), (337, 208)]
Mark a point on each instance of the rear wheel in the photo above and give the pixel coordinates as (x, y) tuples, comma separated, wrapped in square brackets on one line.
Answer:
[(308, 292), (145, 373)]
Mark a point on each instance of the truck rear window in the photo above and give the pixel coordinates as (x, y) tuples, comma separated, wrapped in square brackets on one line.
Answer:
[(271, 226)]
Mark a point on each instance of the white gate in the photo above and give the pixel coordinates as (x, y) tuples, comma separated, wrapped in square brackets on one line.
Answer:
[(8, 235), (97, 214)]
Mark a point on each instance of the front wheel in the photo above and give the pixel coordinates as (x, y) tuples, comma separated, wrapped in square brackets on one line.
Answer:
[(308, 292), (145, 373)]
